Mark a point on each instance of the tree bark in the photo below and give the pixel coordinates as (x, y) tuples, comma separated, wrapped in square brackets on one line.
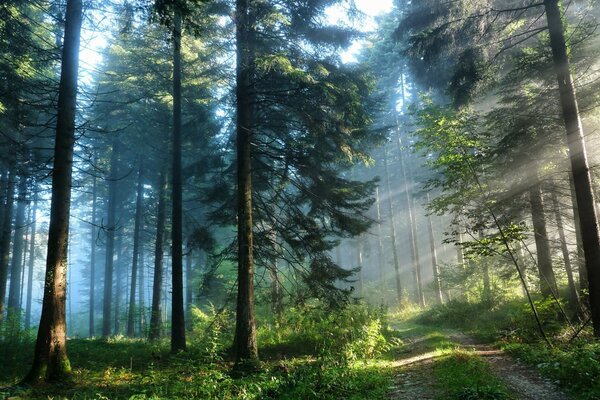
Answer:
[(5, 238), (142, 291), (50, 362), (177, 309), (189, 293), (92, 329), (110, 242), (156, 312), (410, 205), (245, 343), (392, 228), (31, 261), (136, 246), (14, 293), (583, 280), (544, 257), (578, 156), (379, 241), (573, 295), (437, 286)]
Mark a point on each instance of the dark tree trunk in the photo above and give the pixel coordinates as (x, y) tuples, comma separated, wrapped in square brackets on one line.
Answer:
[(379, 241), (437, 286), (93, 259), (136, 246), (25, 251), (110, 242), (5, 238), (31, 261), (119, 284), (177, 309), (392, 228), (142, 291), (573, 295), (544, 256), (246, 348), (50, 361), (156, 312), (578, 155), (189, 282), (14, 293)]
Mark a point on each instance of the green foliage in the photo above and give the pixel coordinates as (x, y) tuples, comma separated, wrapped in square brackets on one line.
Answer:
[(464, 376), (350, 334), (311, 353), (575, 366), (510, 320)]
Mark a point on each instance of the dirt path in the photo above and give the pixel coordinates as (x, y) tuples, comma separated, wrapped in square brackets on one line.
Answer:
[(415, 378)]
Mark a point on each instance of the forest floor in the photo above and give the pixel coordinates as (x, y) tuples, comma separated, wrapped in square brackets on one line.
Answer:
[(421, 375)]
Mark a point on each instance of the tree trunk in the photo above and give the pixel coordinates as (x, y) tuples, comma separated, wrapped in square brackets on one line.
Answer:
[(142, 291), (31, 261), (380, 242), (583, 280), (136, 246), (414, 248), (189, 282), (437, 286), (110, 242), (177, 310), (5, 238), (578, 155), (119, 283), (544, 257), (392, 228), (359, 262), (573, 295), (156, 312), (50, 362), (245, 343), (14, 293), (93, 259)]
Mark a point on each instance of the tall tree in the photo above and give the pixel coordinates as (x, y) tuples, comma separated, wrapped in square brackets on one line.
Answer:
[(246, 347), (110, 240), (580, 167), (156, 310), (177, 307), (50, 362), (14, 294), (132, 311)]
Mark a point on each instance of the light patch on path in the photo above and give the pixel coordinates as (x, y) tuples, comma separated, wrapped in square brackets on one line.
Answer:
[(415, 380)]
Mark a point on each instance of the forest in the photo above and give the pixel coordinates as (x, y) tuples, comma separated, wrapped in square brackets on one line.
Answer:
[(299, 199)]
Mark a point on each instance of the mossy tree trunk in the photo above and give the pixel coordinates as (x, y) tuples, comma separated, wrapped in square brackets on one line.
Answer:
[(245, 343)]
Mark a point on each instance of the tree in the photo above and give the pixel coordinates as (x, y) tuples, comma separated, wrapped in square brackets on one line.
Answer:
[(50, 361), (582, 179)]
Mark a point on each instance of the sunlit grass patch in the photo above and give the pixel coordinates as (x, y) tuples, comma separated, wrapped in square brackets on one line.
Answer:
[(462, 375)]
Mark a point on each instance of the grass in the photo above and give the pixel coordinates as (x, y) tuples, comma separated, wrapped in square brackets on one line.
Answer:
[(573, 366), (301, 361), (462, 375)]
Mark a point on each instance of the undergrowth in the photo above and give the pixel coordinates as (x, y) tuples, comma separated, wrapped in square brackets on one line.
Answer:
[(311, 353), (461, 375)]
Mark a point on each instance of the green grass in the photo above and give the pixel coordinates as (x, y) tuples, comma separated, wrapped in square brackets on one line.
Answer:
[(462, 375), (573, 366), (311, 356)]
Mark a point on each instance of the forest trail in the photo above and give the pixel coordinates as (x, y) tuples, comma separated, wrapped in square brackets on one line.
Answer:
[(425, 347)]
